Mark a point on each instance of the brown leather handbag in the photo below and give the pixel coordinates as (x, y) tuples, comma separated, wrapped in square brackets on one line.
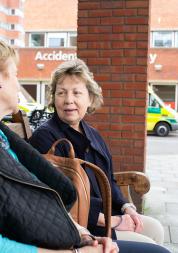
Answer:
[(72, 168)]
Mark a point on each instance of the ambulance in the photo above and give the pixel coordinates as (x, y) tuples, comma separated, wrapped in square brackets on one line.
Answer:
[(161, 118)]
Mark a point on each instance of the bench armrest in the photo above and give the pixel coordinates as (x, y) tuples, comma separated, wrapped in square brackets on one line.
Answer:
[(138, 181)]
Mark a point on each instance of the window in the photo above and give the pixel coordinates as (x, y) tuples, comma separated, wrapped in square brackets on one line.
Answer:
[(12, 26), (57, 39), (12, 11), (72, 40), (37, 40), (166, 93), (56, 42), (163, 39), (4, 26), (12, 42), (153, 102), (176, 39)]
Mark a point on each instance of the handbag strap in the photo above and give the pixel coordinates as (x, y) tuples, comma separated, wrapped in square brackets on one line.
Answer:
[(102, 180), (71, 149), (105, 193)]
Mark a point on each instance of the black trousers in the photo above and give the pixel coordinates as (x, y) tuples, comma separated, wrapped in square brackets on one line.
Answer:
[(140, 247)]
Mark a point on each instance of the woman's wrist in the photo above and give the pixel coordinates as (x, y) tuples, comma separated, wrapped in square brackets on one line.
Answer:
[(116, 221), (101, 220)]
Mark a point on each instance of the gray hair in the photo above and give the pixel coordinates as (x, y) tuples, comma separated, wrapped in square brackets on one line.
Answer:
[(78, 68)]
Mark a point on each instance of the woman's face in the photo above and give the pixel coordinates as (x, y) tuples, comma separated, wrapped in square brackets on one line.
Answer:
[(9, 88), (72, 100)]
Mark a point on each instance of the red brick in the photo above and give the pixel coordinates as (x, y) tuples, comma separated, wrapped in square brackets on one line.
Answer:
[(89, 53), (133, 69), (137, 4), (132, 118), (83, 14), (139, 110), (88, 5), (141, 77), (99, 45), (141, 61), (100, 29), (112, 101), (122, 110), (140, 94), (116, 52), (112, 86), (100, 13), (112, 20), (104, 109), (122, 93), (123, 44), (102, 77), (125, 12), (82, 44), (88, 21), (99, 61), (133, 102), (111, 4)]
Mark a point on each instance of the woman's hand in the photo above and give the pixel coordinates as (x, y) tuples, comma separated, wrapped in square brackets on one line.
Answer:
[(100, 244), (126, 224), (136, 217)]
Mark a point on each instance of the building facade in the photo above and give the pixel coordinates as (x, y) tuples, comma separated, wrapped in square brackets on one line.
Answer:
[(12, 22), (50, 38), (163, 52)]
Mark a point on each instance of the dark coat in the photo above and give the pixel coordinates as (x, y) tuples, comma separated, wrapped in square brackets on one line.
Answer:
[(31, 209), (53, 129)]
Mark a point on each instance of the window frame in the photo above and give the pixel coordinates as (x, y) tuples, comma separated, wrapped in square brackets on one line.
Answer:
[(58, 35), (163, 31), (36, 33)]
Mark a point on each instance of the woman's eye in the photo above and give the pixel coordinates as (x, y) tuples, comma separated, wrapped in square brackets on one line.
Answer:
[(77, 92), (60, 93)]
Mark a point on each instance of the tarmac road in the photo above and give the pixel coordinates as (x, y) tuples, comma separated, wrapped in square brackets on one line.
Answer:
[(163, 145)]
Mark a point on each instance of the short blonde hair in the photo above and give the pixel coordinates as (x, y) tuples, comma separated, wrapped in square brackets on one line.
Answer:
[(78, 68), (6, 52)]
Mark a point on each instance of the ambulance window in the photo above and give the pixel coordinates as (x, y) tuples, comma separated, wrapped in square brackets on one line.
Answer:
[(153, 102)]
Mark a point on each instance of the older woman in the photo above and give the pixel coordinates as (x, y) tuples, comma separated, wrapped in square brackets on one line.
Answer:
[(34, 197), (74, 93)]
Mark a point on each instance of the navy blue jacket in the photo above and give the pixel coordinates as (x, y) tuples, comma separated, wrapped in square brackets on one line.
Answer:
[(54, 129)]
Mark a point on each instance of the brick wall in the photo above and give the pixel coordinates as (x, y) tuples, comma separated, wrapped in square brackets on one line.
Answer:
[(113, 41)]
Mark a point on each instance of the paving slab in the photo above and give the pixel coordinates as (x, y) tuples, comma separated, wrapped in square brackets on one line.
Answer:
[(162, 200)]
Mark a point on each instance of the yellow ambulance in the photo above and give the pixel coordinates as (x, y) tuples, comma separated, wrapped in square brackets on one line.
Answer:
[(161, 118)]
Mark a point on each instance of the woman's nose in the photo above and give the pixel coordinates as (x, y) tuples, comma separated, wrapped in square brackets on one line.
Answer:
[(69, 98)]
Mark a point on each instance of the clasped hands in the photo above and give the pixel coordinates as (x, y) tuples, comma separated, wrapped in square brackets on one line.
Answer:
[(130, 221), (98, 245)]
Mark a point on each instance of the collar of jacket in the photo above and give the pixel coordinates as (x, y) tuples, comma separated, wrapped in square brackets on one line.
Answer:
[(90, 132)]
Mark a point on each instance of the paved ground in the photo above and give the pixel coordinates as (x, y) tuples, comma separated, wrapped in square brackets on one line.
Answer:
[(162, 200)]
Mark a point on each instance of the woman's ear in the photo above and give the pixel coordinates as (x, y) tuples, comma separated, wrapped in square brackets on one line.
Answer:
[(91, 100)]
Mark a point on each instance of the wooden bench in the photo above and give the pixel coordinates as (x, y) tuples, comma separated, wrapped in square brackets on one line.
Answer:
[(131, 183)]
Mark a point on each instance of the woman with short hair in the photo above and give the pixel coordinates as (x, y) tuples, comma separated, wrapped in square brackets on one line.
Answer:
[(75, 93)]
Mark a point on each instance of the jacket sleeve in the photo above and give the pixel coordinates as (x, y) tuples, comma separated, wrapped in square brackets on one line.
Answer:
[(9, 246), (96, 204), (118, 200)]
